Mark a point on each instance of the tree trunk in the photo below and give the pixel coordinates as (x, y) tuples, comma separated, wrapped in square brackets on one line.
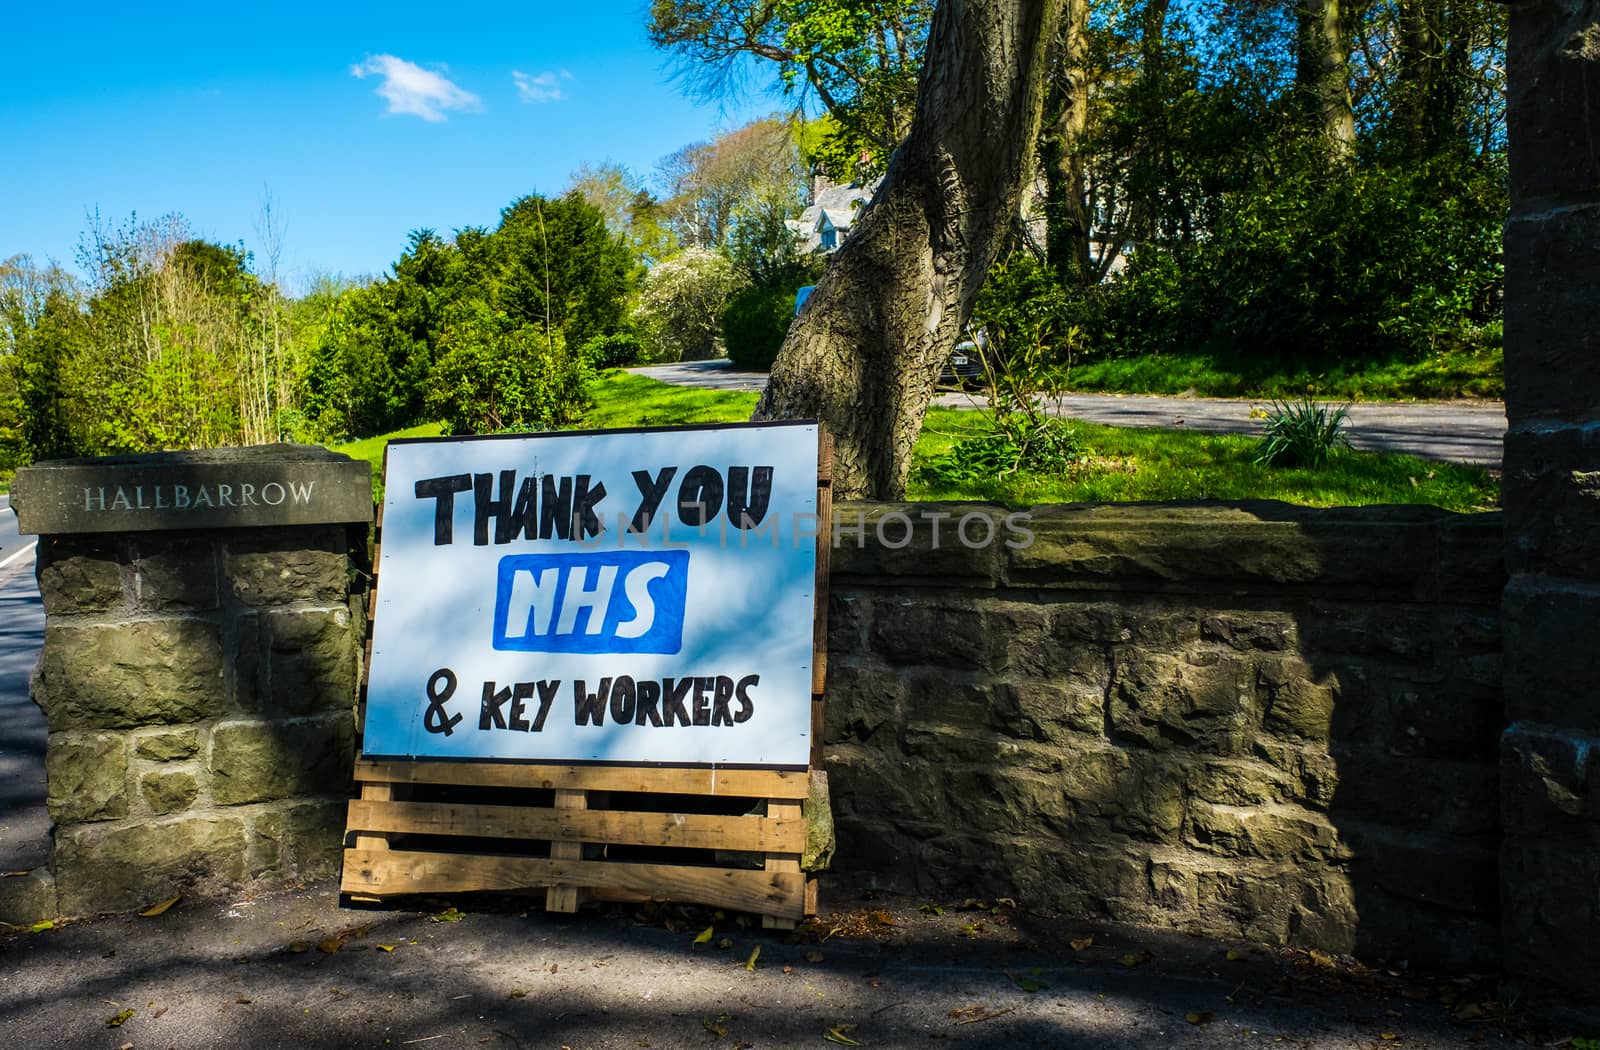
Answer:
[(1323, 73), (865, 353), (1066, 209)]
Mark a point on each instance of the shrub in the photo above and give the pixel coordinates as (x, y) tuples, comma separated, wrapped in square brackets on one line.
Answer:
[(491, 377), (755, 323), (680, 305), (1303, 433), (617, 350)]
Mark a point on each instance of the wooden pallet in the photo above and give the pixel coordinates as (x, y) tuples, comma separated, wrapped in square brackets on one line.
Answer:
[(595, 832)]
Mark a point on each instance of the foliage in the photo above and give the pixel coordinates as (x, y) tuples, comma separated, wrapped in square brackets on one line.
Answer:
[(731, 189), (617, 350), (494, 376), (550, 266), (755, 322), (860, 59), (680, 305), (1303, 433), (1026, 367)]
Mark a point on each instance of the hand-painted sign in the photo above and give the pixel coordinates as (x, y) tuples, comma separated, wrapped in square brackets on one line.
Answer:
[(617, 596)]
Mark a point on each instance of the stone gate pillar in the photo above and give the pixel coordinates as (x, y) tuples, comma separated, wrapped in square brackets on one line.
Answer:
[(201, 654), (1550, 757)]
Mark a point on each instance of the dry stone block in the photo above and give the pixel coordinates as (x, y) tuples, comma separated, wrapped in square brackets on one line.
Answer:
[(1274, 833), (148, 672), (277, 570), (311, 661), (168, 745), (168, 791), (106, 867), (86, 774), (79, 576), (301, 840), (258, 761), (1165, 702), (175, 575)]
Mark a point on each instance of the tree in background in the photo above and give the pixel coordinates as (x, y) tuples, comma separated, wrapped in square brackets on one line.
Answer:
[(681, 303), (859, 58)]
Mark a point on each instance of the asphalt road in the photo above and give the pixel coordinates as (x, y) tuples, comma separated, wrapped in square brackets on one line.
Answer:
[(24, 824), (296, 971), (1458, 431)]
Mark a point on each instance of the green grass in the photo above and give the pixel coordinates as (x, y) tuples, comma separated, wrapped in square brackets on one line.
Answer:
[(1463, 373), (1123, 463), (1127, 463)]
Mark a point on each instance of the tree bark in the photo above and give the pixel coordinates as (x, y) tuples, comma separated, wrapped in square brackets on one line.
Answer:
[(1323, 73), (864, 354), (1066, 207)]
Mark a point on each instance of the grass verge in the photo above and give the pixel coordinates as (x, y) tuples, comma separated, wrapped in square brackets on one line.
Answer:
[(1123, 463), (1475, 373)]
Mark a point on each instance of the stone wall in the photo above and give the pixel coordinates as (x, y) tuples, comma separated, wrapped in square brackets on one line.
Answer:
[(1249, 720), (199, 690), (1551, 775)]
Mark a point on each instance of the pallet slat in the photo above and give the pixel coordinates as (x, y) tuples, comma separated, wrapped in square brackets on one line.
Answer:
[(734, 783), (612, 827), (379, 872)]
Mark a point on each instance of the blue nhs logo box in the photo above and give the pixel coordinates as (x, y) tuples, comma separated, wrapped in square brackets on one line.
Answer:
[(602, 602)]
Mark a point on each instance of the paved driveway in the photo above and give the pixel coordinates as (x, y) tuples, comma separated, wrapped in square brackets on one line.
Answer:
[(1459, 431)]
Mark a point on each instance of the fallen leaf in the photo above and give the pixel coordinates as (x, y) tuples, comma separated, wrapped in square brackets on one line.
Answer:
[(1237, 956), (931, 909), (329, 945), (706, 934), (1133, 959), (386, 947), (158, 1011), (1026, 984), (117, 1020), (40, 927), (750, 963), (881, 917), (841, 1034), (1204, 1017), (243, 1000), (788, 969), (516, 993), (716, 1028), (449, 915), (1322, 959), (1080, 943), (1388, 1037), (159, 909), (299, 947), (725, 944), (813, 957), (1005, 902)]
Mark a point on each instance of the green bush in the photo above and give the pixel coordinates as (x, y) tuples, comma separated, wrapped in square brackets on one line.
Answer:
[(754, 324), (492, 378), (617, 350), (1322, 267)]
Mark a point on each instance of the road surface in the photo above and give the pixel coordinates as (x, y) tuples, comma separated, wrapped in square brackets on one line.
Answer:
[(24, 825), (1458, 431)]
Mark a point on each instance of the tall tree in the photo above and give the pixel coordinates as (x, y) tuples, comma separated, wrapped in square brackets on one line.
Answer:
[(859, 58), (866, 351), (1323, 71)]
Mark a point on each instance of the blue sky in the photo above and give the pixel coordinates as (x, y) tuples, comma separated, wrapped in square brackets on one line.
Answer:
[(198, 108)]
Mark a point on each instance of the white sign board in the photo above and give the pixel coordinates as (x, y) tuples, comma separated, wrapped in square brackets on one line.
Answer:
[(615, 596)]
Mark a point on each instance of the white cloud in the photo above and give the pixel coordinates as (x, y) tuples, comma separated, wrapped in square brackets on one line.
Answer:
[(540, 87), (408, 88)]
